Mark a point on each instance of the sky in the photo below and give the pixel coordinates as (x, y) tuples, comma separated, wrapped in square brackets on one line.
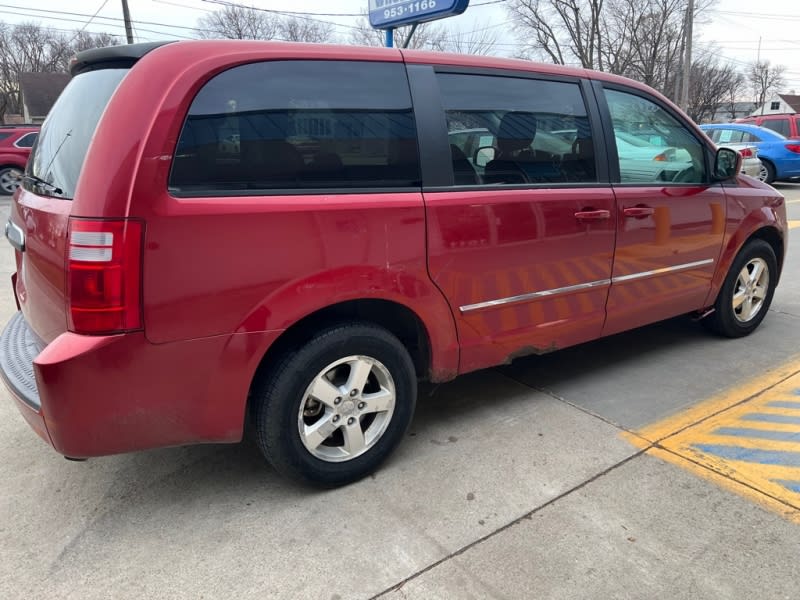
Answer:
[(732, 29)]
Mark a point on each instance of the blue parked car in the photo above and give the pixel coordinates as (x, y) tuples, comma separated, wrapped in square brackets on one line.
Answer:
[(780, 157)]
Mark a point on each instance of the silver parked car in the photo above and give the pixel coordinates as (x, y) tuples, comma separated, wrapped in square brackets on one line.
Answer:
[(751, 165)]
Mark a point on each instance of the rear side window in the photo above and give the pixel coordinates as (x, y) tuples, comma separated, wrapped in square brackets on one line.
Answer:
[(58, 156), (27, 140), (729, 136), (4, 136), (294, 125), (507, 130), (778, 125)]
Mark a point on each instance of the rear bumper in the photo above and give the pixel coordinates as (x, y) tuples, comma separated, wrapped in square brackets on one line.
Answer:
[(100, 395), (751, 167), (18, 349)]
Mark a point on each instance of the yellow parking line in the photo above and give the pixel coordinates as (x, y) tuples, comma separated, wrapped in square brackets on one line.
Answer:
[(793, 224), (746, 439)]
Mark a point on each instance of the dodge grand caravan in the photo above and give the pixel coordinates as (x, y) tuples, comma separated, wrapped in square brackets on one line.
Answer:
[(214, 234)]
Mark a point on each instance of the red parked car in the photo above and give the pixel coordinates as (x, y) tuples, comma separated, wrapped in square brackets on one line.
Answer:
[(787, 124), (293, 235), (16, 142)]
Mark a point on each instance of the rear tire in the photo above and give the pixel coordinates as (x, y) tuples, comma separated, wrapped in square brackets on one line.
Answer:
[(747, 293), (331, 411), (767, 173)]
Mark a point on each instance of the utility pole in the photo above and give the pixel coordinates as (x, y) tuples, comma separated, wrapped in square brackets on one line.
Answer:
[(687, 56), (126, 15)]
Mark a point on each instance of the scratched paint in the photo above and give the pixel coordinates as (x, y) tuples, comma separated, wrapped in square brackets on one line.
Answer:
[(747, 440)]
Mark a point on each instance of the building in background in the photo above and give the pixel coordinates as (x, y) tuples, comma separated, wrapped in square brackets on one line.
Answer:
[(779, 104), (39, 92)]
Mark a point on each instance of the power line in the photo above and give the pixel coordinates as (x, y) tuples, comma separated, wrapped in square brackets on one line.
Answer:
[(161, 33), (321, 14), (85, 25)]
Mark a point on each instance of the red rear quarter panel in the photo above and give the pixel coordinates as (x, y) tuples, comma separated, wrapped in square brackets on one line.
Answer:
[(14, 159), (217, 266)]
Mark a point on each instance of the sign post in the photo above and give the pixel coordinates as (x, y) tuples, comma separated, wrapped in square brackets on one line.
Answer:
[(388, 14)]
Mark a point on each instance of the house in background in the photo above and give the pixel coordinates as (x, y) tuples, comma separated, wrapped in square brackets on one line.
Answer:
[(39, 92), (779, 104)]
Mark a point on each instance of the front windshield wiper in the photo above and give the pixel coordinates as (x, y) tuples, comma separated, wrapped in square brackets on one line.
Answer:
[(39, 181)]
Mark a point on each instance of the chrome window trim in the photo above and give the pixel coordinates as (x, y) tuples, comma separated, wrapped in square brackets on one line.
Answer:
[(582, 286)]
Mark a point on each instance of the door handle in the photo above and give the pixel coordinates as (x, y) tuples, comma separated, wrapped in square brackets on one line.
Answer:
[(637, 212), (593, 215)]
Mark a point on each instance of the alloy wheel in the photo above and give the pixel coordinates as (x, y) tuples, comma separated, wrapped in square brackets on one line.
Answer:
[(346, 408)]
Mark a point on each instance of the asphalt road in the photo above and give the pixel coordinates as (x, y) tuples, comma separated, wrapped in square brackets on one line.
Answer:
[(536, 480)]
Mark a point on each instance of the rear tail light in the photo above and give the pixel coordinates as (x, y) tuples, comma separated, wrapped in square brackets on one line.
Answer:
[(746, 153), (793, 148), (104, 268)]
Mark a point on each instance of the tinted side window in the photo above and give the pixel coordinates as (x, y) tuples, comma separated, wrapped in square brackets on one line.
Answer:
[(27, 141), (778, 125), (299, 125), (653, 146), (505, 130)]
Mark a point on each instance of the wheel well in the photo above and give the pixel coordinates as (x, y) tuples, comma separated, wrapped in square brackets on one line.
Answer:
[(394, 317), (773, 238)]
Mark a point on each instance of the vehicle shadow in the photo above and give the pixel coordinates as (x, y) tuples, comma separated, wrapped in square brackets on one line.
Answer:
[(239, 472)]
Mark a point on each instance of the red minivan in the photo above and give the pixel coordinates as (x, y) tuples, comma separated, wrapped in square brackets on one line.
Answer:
[(211, 234)]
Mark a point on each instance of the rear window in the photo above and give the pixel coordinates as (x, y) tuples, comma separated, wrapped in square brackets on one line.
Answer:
[(294, 125), (59, 153), (4, 136)]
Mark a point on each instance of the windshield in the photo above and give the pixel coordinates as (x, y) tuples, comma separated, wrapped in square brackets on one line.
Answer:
[(57, 157)]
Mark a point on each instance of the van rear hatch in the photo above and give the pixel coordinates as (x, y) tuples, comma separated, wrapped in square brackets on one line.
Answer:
[(39, 224)]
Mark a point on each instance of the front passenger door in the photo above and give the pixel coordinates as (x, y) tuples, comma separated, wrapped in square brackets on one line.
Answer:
[(670, 216)]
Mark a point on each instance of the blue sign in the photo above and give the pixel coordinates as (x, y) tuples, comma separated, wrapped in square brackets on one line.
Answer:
[(385, 14)]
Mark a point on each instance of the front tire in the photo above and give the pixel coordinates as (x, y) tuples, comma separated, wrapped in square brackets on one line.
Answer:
[(333, 410), (9, 180), (747, 293)]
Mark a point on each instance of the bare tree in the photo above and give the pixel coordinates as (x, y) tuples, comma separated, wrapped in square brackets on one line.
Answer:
[(711, 85), (480, 42), (30, 47), (764, 79), (238, 23), (642, 39), (426, 36), (563, 31), (295, 29)]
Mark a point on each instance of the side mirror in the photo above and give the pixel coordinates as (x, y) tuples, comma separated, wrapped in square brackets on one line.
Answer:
[(484, 155), (727, 164)]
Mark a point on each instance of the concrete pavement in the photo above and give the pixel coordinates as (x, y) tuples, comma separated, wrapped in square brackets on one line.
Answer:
[(513, 483)]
